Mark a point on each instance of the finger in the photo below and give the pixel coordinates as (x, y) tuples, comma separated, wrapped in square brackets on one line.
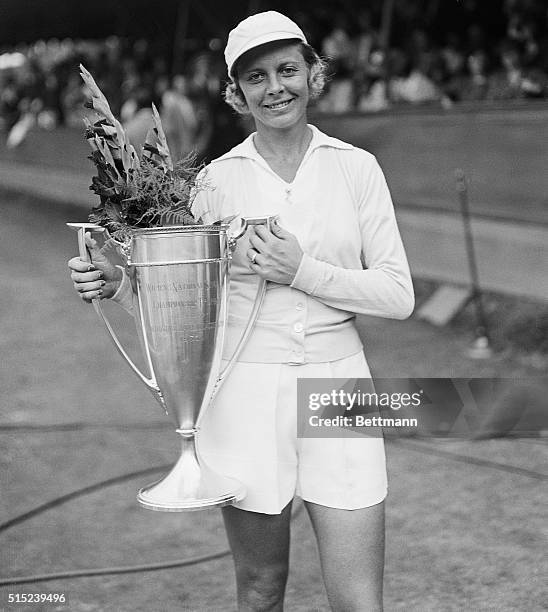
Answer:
[(79, 265), (255, 267), (87, 287), (95, 252), (98, 257), (278, 230), (88, 246), (261, 232), (86, 277), (257, 243), (252, 255), (91, 295), (91, 243), (256, 259)]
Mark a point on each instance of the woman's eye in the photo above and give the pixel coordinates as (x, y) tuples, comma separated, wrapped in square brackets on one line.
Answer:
[(289, 70), (254, 77)]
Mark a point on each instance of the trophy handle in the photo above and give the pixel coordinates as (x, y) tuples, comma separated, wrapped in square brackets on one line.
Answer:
[(150, 382), (259, 297)]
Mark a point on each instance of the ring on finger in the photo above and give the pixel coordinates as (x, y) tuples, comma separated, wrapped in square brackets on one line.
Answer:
[(253, 257)]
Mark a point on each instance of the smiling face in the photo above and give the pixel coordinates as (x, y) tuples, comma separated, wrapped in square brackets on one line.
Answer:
[(274, 81)]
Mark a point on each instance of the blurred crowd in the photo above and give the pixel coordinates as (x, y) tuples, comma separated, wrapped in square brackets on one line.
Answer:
[(370, 71), (40, 85), (419, 64)]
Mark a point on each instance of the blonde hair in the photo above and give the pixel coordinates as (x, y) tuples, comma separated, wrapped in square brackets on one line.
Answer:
[(317, 78)]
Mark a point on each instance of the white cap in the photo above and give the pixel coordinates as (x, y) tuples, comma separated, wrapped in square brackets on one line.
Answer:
[(257, 30)]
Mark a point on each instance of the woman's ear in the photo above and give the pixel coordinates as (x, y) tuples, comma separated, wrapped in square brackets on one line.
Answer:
[(235, 98), (315, 81)]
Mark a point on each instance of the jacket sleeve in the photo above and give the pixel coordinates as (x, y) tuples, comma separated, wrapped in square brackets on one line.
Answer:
[(384, 288)]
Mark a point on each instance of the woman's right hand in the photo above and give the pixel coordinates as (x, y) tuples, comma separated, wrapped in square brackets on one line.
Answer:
[(99, 279)]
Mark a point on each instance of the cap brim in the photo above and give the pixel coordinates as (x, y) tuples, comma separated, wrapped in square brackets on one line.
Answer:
[(263, 40)]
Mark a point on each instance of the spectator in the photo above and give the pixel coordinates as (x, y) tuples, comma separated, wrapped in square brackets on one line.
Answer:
[(339, 51), (452, 55), (364, 41), (9, 102), (454, 66), (506, 82), (130, 83), (179, 119), (72, 99), (337, 46), (339, 95), (203, 84), (29, 110), (477, 84), (138, 126), (374, 98), (410, 83), (477, 60)]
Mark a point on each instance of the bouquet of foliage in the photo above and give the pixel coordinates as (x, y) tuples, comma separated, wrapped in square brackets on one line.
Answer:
[(133, 192)]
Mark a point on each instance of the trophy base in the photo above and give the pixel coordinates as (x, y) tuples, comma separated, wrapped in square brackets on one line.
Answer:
[(187, 505), (190, 486)]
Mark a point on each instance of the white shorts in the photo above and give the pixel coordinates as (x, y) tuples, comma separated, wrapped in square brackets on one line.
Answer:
[(250, 433)]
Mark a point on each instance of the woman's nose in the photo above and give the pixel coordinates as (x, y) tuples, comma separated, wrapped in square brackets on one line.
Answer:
[(274, 85)]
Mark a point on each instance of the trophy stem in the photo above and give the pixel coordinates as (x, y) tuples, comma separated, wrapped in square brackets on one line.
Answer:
[(190, 485)]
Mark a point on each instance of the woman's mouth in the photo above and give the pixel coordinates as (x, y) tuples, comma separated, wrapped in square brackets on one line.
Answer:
[(279, 105)]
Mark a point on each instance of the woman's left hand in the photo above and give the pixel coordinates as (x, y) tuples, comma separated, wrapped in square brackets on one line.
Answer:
[(275, 254)]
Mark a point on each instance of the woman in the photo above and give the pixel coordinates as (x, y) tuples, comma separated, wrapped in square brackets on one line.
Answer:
[(334, 211)]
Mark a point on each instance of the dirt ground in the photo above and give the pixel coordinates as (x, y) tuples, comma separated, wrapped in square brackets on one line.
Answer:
[(465, 519)]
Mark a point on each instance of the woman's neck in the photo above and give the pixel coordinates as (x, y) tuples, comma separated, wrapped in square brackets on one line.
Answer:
[(283, 144)]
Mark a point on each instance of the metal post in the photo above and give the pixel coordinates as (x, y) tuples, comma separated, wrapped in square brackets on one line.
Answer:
[(480, 348)]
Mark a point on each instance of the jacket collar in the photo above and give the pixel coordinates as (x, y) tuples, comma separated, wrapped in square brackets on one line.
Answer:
[(247, 148)]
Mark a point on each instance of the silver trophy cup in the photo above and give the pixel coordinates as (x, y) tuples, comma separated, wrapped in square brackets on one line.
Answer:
[(180, 281)]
